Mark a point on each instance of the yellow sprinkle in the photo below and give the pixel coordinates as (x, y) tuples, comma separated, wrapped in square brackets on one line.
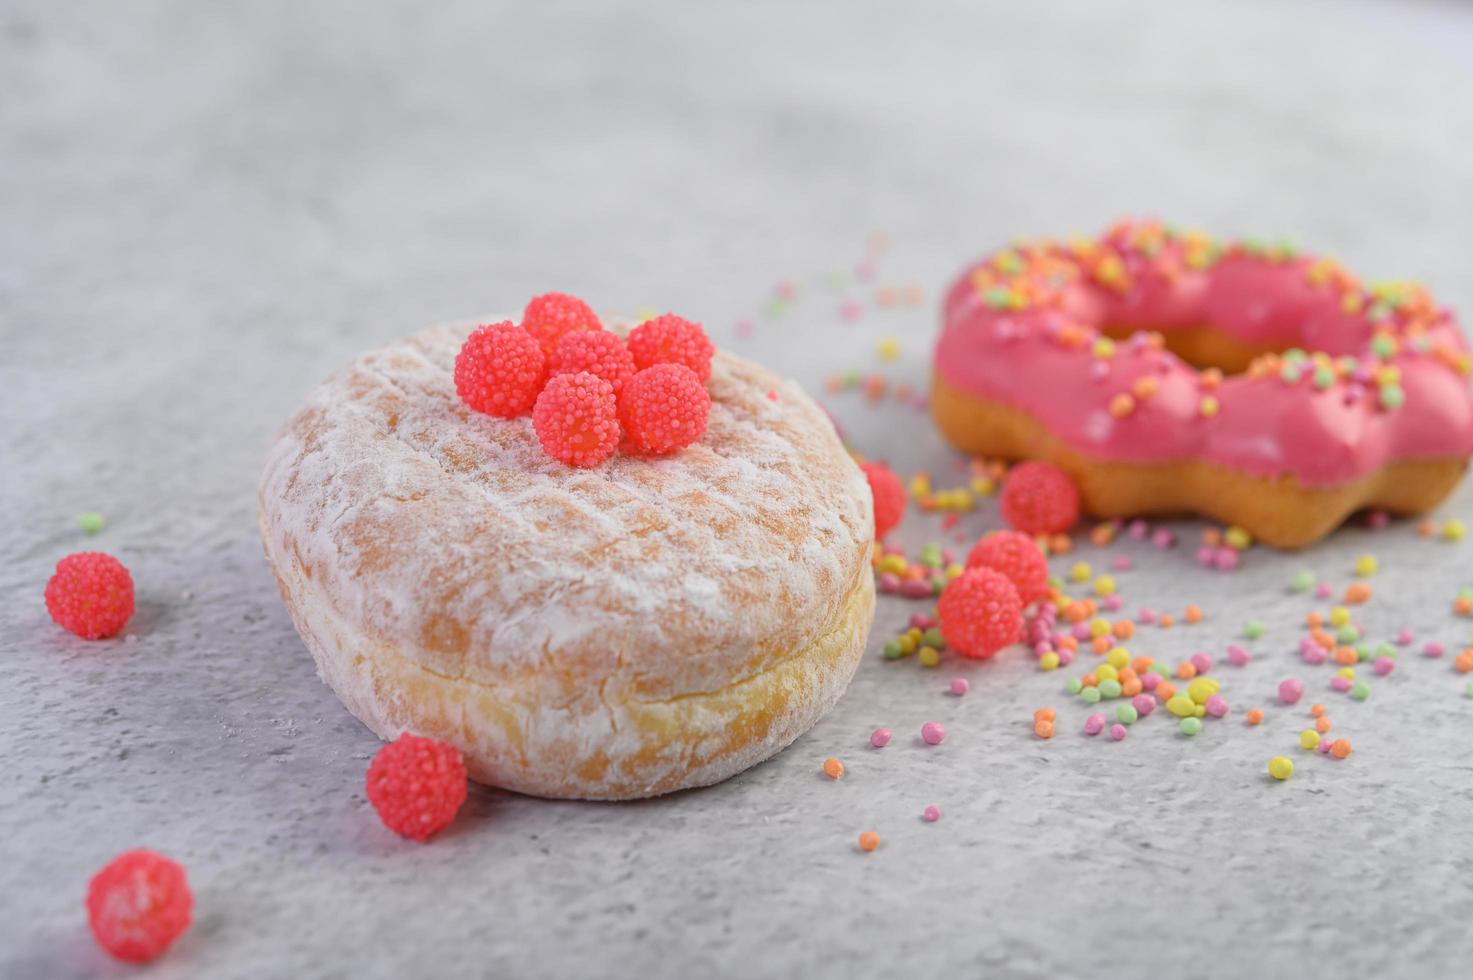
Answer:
[(1104, 586), (1080, 572), (1237, 538), (929, 657), (1454, 530), (889, 348), (1366, 565), (1208, 406), (1339, 616)]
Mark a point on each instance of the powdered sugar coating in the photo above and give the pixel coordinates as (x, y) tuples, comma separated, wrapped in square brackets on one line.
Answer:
[(624, 631)]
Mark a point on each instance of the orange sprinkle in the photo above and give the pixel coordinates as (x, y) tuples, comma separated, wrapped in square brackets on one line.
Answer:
[(1464, 661), (1141, 664), (1186, 670), (1314, 619), (1212, 537), (1043, 714), (1322, 724), (1146, 386), (1463, 605), (1193, 614), (1427, 528), (1122, 405), (833, 768), (1043, 729), (1123, 629), (1210, 378), (1356, 593), (1101, 644), (1340, 748), (1089, 680), (1076, 612), (1131, 687), (1346, 656), (869, 840), (1069, 643), (1165, 621), (1325, 640), (1316, 710), (1255, 716), (1165, 690)]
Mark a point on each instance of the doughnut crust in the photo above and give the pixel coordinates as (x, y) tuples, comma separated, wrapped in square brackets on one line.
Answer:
[(613, 633)]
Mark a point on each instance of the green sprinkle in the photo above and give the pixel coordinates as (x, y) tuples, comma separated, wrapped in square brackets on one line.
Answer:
[(1190, 726), (1386, 650), (1323, 377), (90, 522), (1469, 690), (1110, 689), (1392, 397), (1363, 651), (1379, 311), (892, 650), (1160, 669), (1303, 581), (1290, 372), (1055, 582), (996, 299), (1383, 346), (1074, 686), (1126, 714), (1347, 634), (1091, 695), (1254, 628), (1361, 691), (932, 638), (1296, 355), (1253, 246)]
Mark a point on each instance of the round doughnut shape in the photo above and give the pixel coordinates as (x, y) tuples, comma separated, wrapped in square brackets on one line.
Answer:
[(618, 632), (1171, 373)]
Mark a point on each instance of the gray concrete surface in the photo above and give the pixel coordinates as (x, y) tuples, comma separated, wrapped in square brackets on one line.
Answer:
[(206, 208)]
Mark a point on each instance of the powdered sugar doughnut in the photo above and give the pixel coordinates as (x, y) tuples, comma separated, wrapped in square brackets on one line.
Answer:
[(1169, 373), (608, 633)]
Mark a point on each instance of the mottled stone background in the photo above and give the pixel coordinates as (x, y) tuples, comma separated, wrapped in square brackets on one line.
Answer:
[(204, 208)]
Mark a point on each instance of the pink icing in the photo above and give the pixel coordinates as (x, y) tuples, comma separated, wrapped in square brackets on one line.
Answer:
[(1023, 328)]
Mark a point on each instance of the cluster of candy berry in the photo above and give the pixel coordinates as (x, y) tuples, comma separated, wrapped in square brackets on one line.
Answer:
[(590, 391)]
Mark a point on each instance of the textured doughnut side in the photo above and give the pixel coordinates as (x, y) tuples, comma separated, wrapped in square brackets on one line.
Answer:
[(604, 634)]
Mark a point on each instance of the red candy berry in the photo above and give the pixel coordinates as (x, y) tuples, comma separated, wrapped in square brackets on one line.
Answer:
[(595, 351), (138, 905), (980, 613), (91, 594), (670, 339), (1017, 556), (889, 494), (577, 419), (1039, 498), (500, 370), (551, 316), (664, 408), (417, 785)]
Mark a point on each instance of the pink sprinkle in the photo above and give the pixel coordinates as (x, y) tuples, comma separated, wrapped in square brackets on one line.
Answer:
[(931, 813), (1433, 649), (1139, 529), (1341, 684), (1112, 602), (1150, 680), (1227, 560), (1145, 616), (932, 732), (1378, 519), (1202, 661), (1324, 590), (1066, 657), (1291, 690), (1122, 563), (1094, 724), (1383, 666), (879, 738), (744, 328), (1081, 631), (851, 309), (1324, 747), (1206, 555), (1237, 656), (959, 686), (1217, 706), (1403, 637), (785, 289), (1312, 653), (920, 621), (1042, 647), (1144, 704), (1163, 538), (947, 556), (865, 270), (916, 589), (888, 582), (1117, 731)]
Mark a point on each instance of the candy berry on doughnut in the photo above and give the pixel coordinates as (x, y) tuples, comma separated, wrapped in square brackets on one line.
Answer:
[(980, 613), (500, 370), (552, 316), (90, 594), (596, 351), (138, 905), (417, 785), (577, 419), (1017, 556), (1039, 498), (663, 409), (889, 494), (670, 339)]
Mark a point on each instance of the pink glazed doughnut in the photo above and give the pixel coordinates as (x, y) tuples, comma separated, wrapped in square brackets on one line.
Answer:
[(1167, 372)]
